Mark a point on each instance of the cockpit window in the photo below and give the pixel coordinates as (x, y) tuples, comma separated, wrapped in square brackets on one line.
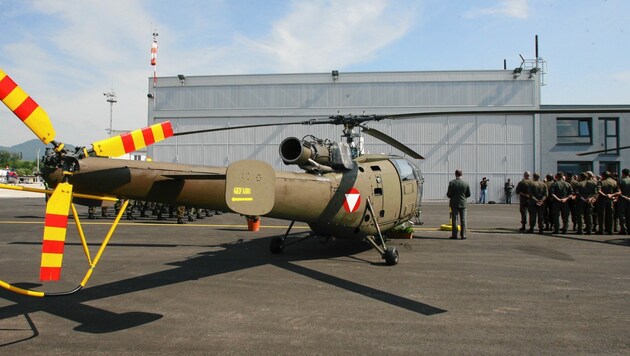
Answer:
[(405, 169)]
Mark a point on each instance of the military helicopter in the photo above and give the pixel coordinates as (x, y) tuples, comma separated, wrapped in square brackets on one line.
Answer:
[(342, 192)]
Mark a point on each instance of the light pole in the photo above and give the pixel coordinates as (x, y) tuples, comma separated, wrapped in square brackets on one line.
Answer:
[(111, 99)]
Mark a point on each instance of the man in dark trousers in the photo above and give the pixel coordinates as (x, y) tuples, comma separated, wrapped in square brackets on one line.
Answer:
[(537, 195), (586, 194), (458, 191), (560, 194), (521, 191), (605, 204), (624, 202)]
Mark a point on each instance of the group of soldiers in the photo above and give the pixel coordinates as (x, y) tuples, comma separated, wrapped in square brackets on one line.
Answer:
[(158, 210), (593, 204)]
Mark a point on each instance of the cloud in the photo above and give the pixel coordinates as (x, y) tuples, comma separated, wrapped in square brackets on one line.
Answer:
[(323, 35), (510, 8), (312, 36)]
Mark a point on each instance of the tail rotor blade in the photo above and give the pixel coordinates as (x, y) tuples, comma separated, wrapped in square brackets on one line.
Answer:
[(128, 142), (55, 228), (26, 109)]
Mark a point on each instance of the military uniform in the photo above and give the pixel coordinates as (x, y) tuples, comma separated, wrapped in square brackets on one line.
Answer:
[(586, 194), (458, 191), (548, 204), (624, 205), (521, 191), (572, 203), (605, 206), (560, 191), (537, 195)]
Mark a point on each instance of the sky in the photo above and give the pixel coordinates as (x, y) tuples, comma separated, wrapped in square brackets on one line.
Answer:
[(66, 54)]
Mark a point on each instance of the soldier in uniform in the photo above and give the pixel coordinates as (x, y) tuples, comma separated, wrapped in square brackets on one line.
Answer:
[(458, 191), (585, 196), (537, 195), (605, 204), (624, 202), (561, 192), (521, 191), (572, 179), (548, 206)]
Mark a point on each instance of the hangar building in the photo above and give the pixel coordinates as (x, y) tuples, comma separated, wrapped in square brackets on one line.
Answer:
[(493, 146)]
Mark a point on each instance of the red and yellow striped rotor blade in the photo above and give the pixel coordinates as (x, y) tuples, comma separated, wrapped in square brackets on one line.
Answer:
[(55, 227), (128, 142), (26, 109)]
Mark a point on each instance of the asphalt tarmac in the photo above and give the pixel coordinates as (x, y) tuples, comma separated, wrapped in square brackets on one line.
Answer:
[(212, 287)]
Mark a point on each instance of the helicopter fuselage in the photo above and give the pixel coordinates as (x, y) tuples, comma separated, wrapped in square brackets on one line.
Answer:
[(332, 204)]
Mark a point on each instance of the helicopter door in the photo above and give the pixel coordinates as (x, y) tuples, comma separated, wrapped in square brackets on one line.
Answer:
[(386, 191), (410, 180)]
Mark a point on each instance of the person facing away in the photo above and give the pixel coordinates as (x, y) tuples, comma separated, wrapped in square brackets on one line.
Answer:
[(560, 194), (521, 191), (624, 202), (458, 191), (537, 195)]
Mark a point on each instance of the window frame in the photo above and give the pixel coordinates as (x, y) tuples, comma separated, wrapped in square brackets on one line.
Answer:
[(587, 164), (607, 135), (579, 120)]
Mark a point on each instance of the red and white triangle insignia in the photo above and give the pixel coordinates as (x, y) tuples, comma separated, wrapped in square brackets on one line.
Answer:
[(352, 201)]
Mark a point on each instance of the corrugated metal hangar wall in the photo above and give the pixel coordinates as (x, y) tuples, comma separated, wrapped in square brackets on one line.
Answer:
[(493, 146)]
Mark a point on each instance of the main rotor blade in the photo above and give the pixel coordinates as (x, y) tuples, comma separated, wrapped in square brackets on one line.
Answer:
[(603, 151), (391, 141), (582, 110), (55, 227), (131, 141), (239, 127), (26, 109)]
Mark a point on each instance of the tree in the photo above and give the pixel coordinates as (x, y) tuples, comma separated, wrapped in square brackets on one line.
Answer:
[(13, 161)]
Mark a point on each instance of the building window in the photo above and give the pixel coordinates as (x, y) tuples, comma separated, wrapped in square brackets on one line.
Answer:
[(609, 128), (575, 167), (612, 167), (574, 131)]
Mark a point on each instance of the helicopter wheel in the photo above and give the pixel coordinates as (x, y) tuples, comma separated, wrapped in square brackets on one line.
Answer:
[(276, 245), (391, 256)]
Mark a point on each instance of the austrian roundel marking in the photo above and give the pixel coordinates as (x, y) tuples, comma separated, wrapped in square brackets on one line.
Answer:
[(352, 200)]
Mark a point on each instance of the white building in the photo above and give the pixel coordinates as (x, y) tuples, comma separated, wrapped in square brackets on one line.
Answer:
[(493, 146)]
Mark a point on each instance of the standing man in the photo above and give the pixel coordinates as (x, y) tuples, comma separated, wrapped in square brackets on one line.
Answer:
[(605, 204), (624, 202), (458, 191), (483, 187), (521, 191), (560, 193), (508, 187), (537, 196), (586, 193)]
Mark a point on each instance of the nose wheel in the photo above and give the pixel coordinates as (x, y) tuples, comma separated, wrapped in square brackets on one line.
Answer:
[(391, 256)]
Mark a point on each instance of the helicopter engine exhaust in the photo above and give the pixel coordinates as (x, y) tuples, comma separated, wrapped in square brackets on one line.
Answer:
[(316, 155), (304, 153)]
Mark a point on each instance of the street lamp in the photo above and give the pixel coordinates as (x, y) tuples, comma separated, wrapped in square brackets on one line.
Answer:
[(111, 99)]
